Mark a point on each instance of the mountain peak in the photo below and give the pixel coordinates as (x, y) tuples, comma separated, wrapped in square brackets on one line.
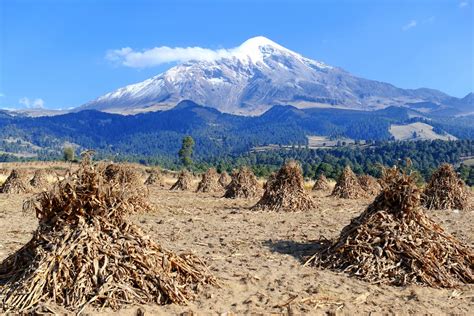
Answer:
[(259, 47), (251, 78), (259, 41)]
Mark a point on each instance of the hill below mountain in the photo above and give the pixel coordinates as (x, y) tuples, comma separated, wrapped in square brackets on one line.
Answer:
[(260, 73), (160, 133)]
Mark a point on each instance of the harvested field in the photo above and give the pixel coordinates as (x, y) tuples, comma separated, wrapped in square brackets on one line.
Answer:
[(258, 256), (85, 252)]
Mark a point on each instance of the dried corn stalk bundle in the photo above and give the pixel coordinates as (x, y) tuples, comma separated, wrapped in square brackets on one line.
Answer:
[(86, 252), (122, 174), (445, 190), (184, 182), (40, 180), (270, 180), (394, 242), (17, 182), (210, 182), (155, 178), (321, 184), (244, 184), (285, 191), (347, 186), (369, 184), (224, 179)]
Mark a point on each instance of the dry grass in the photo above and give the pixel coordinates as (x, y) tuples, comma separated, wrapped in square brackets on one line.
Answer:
[(394, 242), (86, 252), (445, 190), (285, 191)]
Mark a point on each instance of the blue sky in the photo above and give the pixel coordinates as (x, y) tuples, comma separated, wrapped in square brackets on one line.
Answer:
[(54, 53)]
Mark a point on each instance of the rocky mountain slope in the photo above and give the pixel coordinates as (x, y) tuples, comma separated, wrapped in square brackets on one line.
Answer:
[(261, 73)]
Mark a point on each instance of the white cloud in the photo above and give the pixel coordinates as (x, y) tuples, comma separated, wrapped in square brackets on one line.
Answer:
[(463, 4), (162, 55), (409, 25), (431, 19), (37, 103)]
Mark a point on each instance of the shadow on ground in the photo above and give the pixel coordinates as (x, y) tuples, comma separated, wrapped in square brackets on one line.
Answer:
[(300, 250)]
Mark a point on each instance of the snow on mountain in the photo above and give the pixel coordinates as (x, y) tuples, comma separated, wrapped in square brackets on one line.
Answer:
[(253, 77)]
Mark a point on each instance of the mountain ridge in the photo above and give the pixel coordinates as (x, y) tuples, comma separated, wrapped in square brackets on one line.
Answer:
[(260, 73)]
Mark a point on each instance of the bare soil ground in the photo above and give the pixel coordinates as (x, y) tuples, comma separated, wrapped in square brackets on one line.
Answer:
[(259, 256)]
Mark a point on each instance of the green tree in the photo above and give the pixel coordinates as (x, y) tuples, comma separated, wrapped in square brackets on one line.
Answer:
[(186, 151), (68, 154)]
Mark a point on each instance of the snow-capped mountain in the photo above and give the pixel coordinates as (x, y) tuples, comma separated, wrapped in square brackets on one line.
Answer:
[(257, 75)]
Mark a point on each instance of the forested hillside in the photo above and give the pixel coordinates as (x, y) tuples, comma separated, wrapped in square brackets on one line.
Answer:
[(158, 134)]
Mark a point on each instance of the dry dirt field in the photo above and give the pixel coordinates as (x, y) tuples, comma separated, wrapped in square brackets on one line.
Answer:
[(259, 257)]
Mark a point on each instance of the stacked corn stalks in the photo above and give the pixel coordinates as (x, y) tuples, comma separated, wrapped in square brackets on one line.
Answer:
[(321, 184), (17, 182), (155, 178), (285, 191), (210, 182), (121, 174), (85, 252), (394, 242), (445, 190), (244, 184), (348, 186), (224, 179), (40, 180), (369, 184), (184, 182)]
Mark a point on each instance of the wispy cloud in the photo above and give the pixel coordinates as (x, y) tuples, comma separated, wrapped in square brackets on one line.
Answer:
[(409, 25), (37, 103), (431, 19), (162, 55), (463, 4)]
